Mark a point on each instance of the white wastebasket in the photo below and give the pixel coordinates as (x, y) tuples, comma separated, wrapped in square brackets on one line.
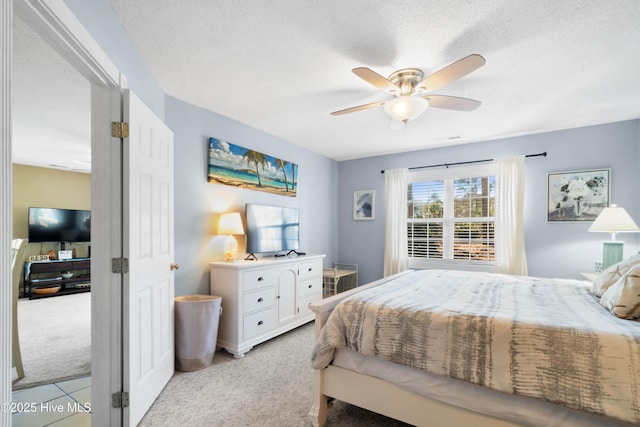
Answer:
[(196, 334)]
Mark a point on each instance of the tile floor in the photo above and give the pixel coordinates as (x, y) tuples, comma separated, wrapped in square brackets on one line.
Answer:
[(63, 404)]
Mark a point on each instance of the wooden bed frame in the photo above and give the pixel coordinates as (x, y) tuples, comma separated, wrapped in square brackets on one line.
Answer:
[(380, 396)]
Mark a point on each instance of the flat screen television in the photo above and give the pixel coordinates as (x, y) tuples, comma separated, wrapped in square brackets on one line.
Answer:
[(272, 229), (59, 225)]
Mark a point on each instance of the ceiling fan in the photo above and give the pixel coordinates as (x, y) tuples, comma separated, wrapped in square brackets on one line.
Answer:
[(409, 88)]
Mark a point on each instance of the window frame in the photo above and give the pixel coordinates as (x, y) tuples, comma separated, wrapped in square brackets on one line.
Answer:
[(450, 174)]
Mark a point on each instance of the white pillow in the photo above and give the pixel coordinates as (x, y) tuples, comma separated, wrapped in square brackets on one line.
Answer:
[(612, 274), (623, 297)]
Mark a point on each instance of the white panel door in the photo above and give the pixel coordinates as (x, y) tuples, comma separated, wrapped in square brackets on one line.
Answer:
[(148, 245)]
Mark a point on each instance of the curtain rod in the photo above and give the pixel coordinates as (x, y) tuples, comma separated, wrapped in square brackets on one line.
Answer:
[(544, 154)]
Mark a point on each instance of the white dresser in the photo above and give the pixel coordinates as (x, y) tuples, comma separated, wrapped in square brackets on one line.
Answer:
[(262, 299)]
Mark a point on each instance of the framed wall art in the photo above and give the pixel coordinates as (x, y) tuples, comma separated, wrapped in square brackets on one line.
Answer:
[(577, 196), (240, 167), (363, 205)]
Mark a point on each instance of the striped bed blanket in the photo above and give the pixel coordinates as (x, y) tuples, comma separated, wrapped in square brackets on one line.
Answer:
[(542, 338)]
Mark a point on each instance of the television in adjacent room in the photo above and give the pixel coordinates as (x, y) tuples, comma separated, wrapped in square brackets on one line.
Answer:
[(272, 229), (59, 225)]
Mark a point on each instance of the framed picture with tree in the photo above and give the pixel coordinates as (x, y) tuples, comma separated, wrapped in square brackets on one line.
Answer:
[(577, 196), (240, 167)]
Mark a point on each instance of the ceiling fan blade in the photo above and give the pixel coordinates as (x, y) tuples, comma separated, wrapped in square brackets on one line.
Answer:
[(451, 72), (358, 108), (452, 102), (375, 79)]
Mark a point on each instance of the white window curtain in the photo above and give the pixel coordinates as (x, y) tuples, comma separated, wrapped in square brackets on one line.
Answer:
[(395, 250), (509, 216)]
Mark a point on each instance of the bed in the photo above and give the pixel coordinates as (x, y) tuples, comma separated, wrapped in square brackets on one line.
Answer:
[(449, 348)]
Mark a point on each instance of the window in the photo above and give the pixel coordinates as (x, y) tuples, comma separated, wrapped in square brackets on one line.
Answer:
[(451, 218)]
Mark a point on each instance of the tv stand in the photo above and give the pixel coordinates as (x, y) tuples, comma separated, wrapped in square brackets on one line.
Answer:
[(251, 257), (80, 282)]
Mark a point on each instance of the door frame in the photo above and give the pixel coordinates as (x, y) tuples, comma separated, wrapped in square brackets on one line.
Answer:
[(6, 32), (57, 25)]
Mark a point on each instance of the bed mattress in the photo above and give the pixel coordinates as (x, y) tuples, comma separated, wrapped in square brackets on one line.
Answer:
[(517, 409)]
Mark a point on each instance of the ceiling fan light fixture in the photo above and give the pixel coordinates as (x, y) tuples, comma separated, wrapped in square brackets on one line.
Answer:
[(406, 108)]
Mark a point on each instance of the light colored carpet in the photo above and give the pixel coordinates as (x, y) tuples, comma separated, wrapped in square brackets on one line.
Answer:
[(270, 386), (55, 338)]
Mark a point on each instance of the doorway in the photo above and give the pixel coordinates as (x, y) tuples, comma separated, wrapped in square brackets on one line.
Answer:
[(53, 21), (51, 105), (117, 200)]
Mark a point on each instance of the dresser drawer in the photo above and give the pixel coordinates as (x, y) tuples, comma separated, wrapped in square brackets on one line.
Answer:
[(255, 300), (303, 304), (259, 322), (259, 278), (310, 269), (310, 286)]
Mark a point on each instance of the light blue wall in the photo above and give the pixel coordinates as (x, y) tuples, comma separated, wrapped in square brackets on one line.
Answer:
[(103, 25), (198, 203), (553, 249)]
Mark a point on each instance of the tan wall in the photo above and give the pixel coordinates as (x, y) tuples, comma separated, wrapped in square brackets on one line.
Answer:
[(51, 188)]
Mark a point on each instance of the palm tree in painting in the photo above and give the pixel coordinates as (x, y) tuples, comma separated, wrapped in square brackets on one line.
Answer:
[(283, 165), (293, 176), (258, 159)]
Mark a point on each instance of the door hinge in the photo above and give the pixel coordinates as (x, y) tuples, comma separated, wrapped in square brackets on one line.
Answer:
[(120, 129), (119, 265), (120, 399)]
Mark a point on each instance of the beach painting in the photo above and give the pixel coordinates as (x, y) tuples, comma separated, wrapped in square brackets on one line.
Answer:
[(240, 167)]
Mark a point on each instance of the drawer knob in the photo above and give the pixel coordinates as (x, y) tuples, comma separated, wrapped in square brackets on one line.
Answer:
[(260, 279), (310, 286), (260, 299), (260, 323), (310, 268)]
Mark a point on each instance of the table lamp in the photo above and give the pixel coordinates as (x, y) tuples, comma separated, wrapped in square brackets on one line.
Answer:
[(613, 219), (230, 223)]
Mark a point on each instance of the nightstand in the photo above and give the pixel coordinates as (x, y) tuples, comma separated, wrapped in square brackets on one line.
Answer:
[(590, 276)]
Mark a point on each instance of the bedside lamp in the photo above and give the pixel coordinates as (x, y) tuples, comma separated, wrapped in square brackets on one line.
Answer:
[(230, 223), (613, 219)]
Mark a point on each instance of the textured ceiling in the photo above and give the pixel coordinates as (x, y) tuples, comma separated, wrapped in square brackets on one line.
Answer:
[(283, 66), (51, 106)]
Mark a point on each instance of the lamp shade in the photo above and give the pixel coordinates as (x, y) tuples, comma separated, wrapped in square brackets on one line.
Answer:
[(614, 219), (405, 108), (230, 223)]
